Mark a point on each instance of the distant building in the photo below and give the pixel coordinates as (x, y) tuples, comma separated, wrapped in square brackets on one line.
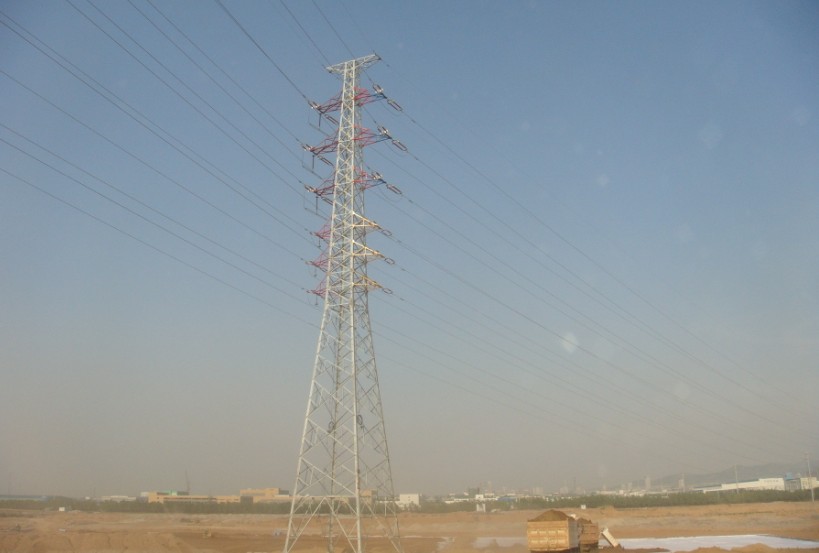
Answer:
[(14, 497), (159, 496), (806, 483), (264, 495), (168, 497), (792, 483), (777, 484), (409, 501)]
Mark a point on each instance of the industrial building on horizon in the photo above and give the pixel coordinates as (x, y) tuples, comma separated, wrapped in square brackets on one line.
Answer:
[(247, 496), (788, 483)]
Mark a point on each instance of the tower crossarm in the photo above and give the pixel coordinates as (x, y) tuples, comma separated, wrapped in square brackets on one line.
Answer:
[(360, 221), (368, 283), (363, 136), (362, 97), (364, 179), (323, 233), (354, 66), (366, 251), (321, 262)]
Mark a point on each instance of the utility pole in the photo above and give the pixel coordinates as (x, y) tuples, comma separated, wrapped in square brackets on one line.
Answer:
[(344, 464), (736, 478), (810, 479)]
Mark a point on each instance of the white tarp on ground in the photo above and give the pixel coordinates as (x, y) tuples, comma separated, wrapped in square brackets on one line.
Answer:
[(723, 542), (677, 544)]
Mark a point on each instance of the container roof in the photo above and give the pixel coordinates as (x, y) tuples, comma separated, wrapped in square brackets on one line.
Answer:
[(551, 514)]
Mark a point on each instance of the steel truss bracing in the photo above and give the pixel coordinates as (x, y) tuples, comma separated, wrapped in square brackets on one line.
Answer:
[(343, 490)]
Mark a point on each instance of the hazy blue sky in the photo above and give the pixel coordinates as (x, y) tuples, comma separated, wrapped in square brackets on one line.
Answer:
[(606, 250)]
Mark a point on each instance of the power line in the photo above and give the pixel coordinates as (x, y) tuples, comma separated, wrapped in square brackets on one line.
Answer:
[(149, 207), (144, 218), (217, 83), (261, 49), (332, 27), (305, 33), (144, 122), (613, 306), (182, 96), (163, 228), (156, 248), (640, 352), (598, 265), (154, 169)]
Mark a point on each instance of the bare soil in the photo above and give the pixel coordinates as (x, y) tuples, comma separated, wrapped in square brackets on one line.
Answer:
[(41, 532)]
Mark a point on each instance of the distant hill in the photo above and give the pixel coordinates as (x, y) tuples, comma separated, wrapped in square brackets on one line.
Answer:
[(770, 470)]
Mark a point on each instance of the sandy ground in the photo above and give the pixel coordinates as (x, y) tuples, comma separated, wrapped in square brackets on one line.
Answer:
[(39, 532)]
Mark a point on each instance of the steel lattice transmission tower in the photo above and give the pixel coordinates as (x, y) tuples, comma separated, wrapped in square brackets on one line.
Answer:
[(344, 490)]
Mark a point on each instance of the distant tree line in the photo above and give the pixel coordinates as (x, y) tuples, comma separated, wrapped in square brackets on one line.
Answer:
[(629, 502), (688, 498), (433, 506), (55, 503)]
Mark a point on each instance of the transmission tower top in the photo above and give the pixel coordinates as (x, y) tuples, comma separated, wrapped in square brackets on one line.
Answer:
[(359, 63)]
